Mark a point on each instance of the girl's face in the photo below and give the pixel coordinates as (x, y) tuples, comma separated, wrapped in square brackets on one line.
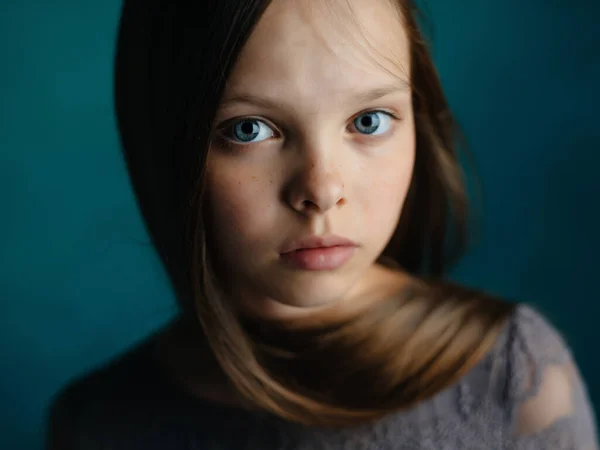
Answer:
[(314, 145)]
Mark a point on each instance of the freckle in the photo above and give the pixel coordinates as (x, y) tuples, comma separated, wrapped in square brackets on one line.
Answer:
[(254, 178)]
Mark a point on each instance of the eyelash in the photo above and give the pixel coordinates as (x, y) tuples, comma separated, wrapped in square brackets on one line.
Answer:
[(229, 143)]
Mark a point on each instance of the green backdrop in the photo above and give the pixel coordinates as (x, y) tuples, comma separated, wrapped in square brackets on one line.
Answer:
[(79, 281)]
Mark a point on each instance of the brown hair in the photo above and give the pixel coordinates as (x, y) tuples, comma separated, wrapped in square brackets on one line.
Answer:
[(172, 63)]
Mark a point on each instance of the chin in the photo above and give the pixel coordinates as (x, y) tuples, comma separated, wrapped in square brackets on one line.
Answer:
[(291, 302), (315, 296), (308, 301)]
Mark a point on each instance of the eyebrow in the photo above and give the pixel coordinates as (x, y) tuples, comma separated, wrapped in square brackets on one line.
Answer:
[(357, 97), (377, 93)]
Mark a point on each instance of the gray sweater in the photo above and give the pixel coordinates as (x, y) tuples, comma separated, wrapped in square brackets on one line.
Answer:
[(132, 405)]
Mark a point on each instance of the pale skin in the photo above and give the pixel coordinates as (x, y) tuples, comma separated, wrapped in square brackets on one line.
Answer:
[(308, 72)]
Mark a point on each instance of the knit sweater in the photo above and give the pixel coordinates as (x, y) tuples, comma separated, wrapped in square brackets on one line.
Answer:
[(132, 404)]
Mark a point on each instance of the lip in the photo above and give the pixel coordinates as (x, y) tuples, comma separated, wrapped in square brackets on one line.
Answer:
[(318, 242), (319, 253)]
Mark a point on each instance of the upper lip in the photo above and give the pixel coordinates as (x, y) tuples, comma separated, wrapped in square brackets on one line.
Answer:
[(318, 242)]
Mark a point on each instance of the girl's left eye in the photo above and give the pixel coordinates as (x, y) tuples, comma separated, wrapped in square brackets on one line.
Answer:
[(373, 122)]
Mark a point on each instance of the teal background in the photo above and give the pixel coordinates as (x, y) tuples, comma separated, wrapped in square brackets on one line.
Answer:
[(79, 280)]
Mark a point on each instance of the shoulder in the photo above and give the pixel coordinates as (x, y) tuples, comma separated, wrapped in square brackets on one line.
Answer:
[(532, 341), (111, 394), (544, 394)]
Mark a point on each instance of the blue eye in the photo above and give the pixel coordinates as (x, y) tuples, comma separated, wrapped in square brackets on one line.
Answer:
[(373, 122), (249, 131)]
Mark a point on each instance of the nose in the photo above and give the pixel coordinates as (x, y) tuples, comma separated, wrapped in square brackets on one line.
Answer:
[(316, 187)]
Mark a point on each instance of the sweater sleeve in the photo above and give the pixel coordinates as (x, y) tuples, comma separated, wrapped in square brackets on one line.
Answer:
[(548, 405)]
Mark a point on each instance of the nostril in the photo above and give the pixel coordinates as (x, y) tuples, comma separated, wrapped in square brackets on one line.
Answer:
[(308, 205)]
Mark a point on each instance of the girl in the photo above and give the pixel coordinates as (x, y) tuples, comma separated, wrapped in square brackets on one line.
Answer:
[(295, 165)]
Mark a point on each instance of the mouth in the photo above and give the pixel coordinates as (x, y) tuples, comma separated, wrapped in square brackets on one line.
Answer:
[(319, 253)]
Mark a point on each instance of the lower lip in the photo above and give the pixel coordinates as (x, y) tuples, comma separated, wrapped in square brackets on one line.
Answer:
[(323, 258)]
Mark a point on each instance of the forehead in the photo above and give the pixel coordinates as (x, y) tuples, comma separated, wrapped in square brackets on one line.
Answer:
[(316, 50)]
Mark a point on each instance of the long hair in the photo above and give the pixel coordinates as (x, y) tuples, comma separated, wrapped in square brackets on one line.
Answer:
[(173, 60)]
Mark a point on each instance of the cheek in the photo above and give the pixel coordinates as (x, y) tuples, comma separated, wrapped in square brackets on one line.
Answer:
[(240, 205), (387, 200), (389, 185)]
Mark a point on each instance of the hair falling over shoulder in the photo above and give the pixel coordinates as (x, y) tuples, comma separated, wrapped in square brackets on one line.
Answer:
[(173, 60)]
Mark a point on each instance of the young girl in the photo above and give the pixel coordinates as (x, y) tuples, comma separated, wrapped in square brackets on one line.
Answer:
[(295, 164)]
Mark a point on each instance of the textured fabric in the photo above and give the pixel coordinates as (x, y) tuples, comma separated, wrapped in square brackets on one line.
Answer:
[(525, 394)]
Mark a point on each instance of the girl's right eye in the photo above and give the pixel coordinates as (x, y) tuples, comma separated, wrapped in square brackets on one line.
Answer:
[(247, 131)]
